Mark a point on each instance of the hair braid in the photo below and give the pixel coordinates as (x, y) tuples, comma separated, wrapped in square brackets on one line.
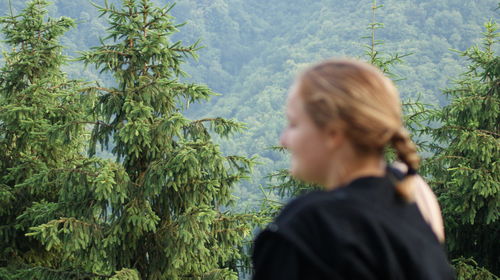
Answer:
[(407, 153)]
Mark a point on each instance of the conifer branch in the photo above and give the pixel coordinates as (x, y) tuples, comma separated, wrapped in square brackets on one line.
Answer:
[(95, 123), (463, 128)]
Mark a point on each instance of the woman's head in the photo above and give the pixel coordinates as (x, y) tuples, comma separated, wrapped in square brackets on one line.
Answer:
[(339, 110)]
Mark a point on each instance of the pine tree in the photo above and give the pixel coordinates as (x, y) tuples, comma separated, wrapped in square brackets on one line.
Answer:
[(41, 134), (162, 209), (465, 167)]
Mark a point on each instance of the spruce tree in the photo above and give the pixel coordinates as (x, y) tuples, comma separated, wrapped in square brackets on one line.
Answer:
[(42, 120), (161, 211), (465, 167)]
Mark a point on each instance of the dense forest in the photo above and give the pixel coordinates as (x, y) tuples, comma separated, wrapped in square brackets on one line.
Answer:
[(85, 183), (253, 49)]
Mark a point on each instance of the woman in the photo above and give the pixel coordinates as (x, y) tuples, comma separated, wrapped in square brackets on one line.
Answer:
[(365, 224)]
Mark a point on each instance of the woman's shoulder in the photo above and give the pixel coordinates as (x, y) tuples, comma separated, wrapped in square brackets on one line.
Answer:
[(308, 202), (311, 224), (314, 210), (341, 198), (363, 204)]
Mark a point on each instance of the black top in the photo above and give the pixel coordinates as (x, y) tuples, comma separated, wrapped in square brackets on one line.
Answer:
[(359, 231)]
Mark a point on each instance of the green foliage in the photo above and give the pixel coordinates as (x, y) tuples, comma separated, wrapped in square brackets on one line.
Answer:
[(170, 222), (161, 210), (468, 269), (465, 169), (41, 131), (253, 49), (376, 57), (281, 186)]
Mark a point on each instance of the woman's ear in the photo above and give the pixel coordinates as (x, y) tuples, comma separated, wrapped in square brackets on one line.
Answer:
[(335, 136)]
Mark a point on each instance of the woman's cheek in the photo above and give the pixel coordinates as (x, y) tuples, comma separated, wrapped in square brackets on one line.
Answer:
[(300, 156)]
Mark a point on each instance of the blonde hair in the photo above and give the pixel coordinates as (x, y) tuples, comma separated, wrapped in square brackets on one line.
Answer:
[(367, 102)]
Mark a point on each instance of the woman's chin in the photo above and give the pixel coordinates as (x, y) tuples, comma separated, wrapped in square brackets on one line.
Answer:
[(306, 177), (294, 172), (299, 175)]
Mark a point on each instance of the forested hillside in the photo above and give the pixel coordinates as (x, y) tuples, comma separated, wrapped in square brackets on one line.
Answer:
[(253, 61), (253, 49)]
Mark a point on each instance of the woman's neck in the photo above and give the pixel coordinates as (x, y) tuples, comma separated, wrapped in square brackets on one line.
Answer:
[(349, 170)]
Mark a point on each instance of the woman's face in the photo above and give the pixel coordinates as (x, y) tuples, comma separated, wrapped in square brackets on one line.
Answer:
[(309, 145)]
